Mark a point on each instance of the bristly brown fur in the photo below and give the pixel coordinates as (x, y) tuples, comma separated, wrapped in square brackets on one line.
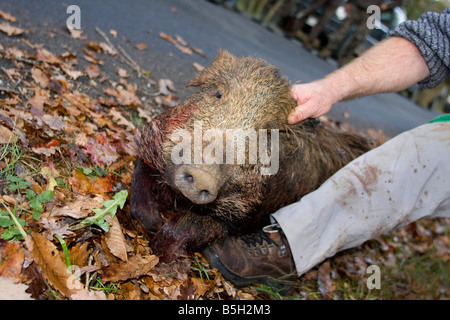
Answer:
[(244, 93)]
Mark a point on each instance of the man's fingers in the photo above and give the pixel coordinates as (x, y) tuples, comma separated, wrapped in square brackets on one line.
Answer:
[(297, 115)]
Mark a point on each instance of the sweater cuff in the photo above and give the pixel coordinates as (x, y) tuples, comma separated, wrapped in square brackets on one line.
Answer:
[(428, 34)]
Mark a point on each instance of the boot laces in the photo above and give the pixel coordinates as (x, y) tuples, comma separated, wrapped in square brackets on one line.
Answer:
[(262, 243)]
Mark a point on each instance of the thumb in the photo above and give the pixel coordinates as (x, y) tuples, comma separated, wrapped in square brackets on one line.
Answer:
[(298, 114)]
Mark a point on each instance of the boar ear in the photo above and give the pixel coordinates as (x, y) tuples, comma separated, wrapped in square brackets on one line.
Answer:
[(223, 59)]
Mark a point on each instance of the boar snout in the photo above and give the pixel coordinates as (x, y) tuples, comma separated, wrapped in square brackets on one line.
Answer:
[(196, 184)]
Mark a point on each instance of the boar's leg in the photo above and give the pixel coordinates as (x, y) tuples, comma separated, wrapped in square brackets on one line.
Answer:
[(185, 233), (144, 206)]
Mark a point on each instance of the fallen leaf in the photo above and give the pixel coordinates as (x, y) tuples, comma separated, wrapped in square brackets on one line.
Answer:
[(74, 74), (50, 261), (167, 37), (40, 77), (101, 152), (125, 96), (5, 135), (59, 84), (9, 199), (80, 182), (107, 48), (79, 254), (185, 50), (141, 46), (135, 267), (50, 175), (180, 40), (86, 294), (121, 120), (14, 52), (39, 98), (123, 73), (55, 227), (131, 291), (165, 86), (198, 51), (10, 30), (115, 240), (81, 139), (80, 208), (91, 57), (76, 34), (326, 285), (198, 67), (168, 101), (45, 151), (11, 259), (7, 16), (169, 272), (92, 71), (46, 56), (55, 123), (102, 185), (12, 73), (202, 286), (144, 114)]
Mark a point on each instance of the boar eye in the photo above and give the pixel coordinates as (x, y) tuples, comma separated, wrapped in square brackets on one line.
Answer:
[(218, 94)]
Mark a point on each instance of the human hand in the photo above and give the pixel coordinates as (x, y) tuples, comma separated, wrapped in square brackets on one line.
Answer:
[(313, 100)]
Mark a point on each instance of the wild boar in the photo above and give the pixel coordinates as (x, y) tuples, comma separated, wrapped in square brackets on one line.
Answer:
[(221, 161)]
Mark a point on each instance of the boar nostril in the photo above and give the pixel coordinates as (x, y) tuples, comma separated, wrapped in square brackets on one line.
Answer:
[(204, 194), (188, 178)]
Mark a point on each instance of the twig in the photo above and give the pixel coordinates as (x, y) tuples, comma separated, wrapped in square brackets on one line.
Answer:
[(131, 62), (34, 63), (105, 37), (128, 60)]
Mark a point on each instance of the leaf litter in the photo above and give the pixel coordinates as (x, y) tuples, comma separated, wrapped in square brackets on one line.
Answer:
[(66, 162), (62, 139)]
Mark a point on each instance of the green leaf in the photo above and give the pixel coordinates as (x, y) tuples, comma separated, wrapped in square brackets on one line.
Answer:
[(30, 194), (36, 215), (102, 223), (86, 171), (46, 196), (37, 202), (12, 178), (65, 250), (36, 205), (110, 206), (5, 219), (16, 183), (11, 233), (23, 184)]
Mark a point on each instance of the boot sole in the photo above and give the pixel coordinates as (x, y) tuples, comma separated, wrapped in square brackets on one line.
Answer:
[(280, 286)]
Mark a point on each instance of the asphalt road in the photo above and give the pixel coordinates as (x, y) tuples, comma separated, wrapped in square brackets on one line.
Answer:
[(210, 28)]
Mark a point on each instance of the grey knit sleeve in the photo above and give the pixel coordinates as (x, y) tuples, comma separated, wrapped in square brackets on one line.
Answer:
[(431, 35)]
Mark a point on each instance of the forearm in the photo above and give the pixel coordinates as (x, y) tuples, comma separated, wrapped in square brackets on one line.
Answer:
[(393, 65)]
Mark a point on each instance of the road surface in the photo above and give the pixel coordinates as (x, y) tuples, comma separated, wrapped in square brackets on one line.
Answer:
[(209, 27)]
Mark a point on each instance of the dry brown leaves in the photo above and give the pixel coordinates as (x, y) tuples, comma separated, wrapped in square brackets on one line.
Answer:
[(181, 45), (79, 146)]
